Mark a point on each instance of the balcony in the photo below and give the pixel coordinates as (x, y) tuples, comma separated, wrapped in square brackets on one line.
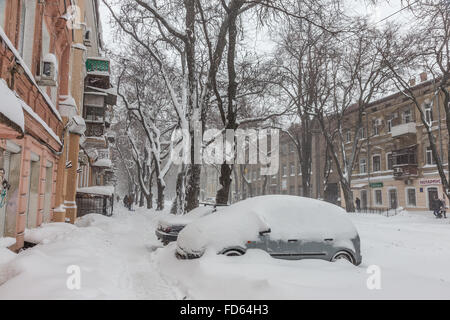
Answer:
[(98, 72), (94, 129), (405, 162), (404, 129), (405, 171)]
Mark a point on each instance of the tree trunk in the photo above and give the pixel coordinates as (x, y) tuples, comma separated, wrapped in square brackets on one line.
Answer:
[(141, 199), (225, 181), (193, 187), (348, 196), (160, 200), (149, 199), (179, 204)]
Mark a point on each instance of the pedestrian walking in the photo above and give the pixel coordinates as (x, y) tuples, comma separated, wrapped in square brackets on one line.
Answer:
[(358, 204)]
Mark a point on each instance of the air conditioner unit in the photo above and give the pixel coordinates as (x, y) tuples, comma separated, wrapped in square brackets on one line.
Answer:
[(87, 37), (49, 71)]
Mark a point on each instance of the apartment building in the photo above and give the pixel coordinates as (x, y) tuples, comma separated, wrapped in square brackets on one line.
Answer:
[(395, 167), (34, 71), (43, 74), (247, 180), (96, 175)]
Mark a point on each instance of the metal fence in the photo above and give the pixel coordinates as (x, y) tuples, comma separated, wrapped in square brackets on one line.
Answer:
[(95, 204), (381, 211)]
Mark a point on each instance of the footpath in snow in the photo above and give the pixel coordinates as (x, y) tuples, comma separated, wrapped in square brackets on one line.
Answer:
[(120, 258), (113, 254)]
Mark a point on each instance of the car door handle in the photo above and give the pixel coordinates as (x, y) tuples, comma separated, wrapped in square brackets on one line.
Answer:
[(293, 240), (328, 240)]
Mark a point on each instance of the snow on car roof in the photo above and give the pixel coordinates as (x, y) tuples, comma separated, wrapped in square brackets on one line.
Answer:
[(288, 217), (172, 220)]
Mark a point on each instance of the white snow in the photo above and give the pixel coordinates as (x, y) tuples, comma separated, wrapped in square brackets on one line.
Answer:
[(120, 258), (106, 163), (47, 232), (288, 217), (182, 220), (100, 190), (10, 105)]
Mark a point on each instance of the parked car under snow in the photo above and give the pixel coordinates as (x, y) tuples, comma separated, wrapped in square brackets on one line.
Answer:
[(170, 225), (287, 227)]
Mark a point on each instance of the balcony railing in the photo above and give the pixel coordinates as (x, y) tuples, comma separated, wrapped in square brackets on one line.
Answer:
[(405, 171), (94, 129), (98, 73), (97, 65), (403, 129), (405, 162)]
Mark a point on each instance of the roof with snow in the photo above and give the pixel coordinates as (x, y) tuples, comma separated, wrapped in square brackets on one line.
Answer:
[(11, 107), (98, 190), (104, 163)]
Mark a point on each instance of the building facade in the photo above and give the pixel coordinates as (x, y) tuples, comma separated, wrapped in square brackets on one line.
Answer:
[(96, 174), (395, 167), (42, 86), (247, 180)]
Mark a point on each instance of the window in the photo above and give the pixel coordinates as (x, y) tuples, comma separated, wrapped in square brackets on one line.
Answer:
[(375, 126), (300, 190), (348, 136), (428, 113), (362, 133), (2, 13), (429, 157), (389, 161), (292, 169), (362, 166), (284, 170), (407, 116), (378, 197), (376, 163), (411, 197), (299, 169), (389, 125)]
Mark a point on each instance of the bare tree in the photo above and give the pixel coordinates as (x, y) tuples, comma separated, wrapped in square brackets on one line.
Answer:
[(354, 76), (426, 48)]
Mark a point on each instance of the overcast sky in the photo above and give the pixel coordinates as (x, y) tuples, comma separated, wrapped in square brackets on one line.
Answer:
[(353, 7)]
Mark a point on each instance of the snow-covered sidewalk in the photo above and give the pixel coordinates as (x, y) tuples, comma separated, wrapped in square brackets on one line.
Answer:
[(120, 258), (113, 255)]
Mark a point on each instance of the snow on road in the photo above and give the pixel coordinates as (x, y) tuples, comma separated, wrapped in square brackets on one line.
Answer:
[(120, 258)]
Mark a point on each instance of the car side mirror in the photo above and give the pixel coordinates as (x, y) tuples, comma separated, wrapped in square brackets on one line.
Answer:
[(265, 232)]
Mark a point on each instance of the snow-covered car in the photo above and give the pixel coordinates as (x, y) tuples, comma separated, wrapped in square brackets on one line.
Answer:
[(170, 225), (287, 227)]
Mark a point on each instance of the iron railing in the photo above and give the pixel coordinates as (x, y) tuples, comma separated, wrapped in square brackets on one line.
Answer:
[(381, 211)]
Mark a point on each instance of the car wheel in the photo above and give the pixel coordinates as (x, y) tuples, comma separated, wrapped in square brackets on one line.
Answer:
[(233, 253), (343, 255)]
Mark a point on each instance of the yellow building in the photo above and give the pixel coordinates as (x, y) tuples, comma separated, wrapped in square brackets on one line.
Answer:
[(395, 167)]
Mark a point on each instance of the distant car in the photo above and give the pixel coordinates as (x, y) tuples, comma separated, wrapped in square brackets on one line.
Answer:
[(169, 226), (287, 227)]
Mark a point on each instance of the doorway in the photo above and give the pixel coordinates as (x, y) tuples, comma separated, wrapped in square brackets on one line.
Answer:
[(5, 157), (432, 195), (48, 192), (393, 202), (363, 199), (33, 193)]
